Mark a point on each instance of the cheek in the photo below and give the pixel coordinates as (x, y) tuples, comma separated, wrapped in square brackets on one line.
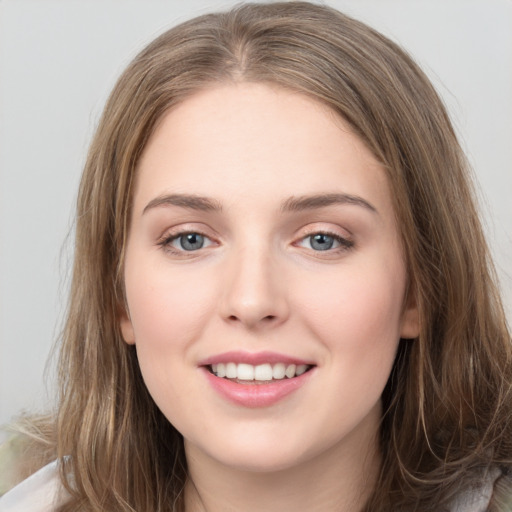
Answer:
[(168, 311), (356, 312), (357, 318), (163, 302)]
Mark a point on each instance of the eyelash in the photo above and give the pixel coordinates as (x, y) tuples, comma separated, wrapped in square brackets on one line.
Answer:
[(165, 243), (345, 244)]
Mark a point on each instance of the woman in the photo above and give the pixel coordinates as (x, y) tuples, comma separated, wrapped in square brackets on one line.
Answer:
[(282, 298)]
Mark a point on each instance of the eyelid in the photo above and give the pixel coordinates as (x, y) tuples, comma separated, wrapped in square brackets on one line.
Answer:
[(346, 242), (179, 237), (171, 234), (186, 227), (324, 228)]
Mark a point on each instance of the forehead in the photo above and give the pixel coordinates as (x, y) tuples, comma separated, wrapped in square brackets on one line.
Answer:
[(248, 138)]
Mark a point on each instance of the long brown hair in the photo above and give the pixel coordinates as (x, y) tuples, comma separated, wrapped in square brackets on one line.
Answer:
[(447, 404)]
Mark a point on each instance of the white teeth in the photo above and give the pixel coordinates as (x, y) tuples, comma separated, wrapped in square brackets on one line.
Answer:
[(261, 372), (245, 372), (290, 371), (221, 370), (301, 369), (231, 372), (278, 371)]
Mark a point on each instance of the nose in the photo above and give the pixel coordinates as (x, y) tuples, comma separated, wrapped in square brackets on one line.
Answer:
[(254, 291)]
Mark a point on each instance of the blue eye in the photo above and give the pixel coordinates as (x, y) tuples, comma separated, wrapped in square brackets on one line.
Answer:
[(189, 241), (321, 242), (325, 242)]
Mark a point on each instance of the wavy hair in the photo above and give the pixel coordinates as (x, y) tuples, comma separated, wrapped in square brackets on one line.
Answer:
[(447, 405)]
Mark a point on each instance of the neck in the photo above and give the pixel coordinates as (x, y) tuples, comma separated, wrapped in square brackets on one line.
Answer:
[(342, 479)]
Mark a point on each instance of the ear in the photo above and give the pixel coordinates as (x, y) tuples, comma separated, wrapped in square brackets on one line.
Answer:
[(410, 327), (125, 323)]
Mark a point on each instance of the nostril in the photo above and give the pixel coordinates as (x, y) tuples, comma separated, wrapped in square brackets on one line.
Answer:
[(267, 318)]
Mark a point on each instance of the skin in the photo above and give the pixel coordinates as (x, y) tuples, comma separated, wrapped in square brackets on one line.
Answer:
[(258, 284)]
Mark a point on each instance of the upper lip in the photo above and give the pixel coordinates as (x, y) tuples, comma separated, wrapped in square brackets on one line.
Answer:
[(254, 359)]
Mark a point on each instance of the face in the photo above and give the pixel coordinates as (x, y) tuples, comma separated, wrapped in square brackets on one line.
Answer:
[(264, 278)]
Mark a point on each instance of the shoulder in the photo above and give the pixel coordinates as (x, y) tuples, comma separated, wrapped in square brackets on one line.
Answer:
[(41, 492), (483, 495)]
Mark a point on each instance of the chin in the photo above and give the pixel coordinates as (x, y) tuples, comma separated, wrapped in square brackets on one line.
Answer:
[(260, 457)]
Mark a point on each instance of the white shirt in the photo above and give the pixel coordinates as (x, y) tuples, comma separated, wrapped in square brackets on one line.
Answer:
[(41, 492)]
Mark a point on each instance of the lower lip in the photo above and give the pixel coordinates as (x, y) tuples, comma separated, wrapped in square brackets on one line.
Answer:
[(256, 395)]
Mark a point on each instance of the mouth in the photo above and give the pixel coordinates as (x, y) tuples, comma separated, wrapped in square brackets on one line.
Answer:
[(256, 380), (266, 373)]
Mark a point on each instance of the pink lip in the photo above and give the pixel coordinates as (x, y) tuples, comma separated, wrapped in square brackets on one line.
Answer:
[(253, 359), (254, 394)]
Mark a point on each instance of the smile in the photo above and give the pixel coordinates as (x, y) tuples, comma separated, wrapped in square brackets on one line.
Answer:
[(256, 380), (245, 373)]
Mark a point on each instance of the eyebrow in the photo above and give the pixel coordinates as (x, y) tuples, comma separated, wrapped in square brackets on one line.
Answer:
[(189, 201), (294, 204)]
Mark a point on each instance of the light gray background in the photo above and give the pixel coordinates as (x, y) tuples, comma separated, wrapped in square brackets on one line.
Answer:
[(59, 59)]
